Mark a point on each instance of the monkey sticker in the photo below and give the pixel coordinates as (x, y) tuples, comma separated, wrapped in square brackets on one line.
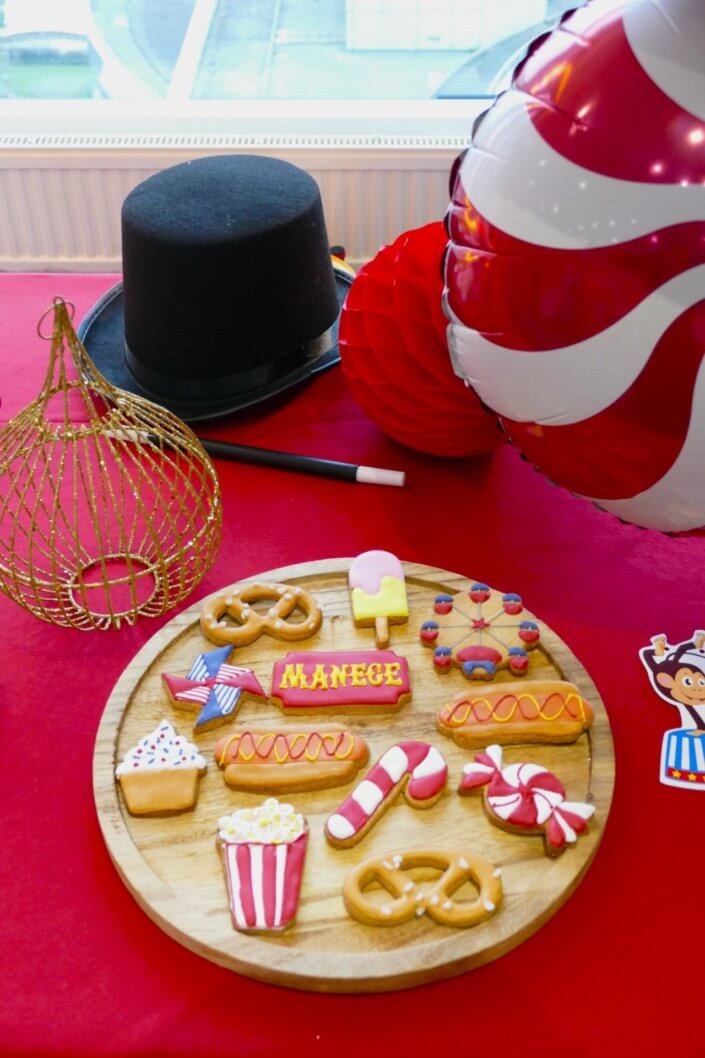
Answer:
[(677, 674)]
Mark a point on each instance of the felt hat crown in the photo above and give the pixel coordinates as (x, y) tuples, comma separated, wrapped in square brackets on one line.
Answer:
[(229, 294)]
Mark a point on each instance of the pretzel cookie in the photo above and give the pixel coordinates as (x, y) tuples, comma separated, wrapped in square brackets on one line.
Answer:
[(249, 624), (411, 900)]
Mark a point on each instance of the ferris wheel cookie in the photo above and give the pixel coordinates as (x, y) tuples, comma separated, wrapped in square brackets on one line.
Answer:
[(481, 631), (248, 624)]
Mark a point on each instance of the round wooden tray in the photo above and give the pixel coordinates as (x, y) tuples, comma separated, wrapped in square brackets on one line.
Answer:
[(171, 867)]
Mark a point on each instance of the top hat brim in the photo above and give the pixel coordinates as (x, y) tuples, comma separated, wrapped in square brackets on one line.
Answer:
[(103, 335)]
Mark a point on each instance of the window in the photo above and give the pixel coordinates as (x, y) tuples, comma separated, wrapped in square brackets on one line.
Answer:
[(221, 50)]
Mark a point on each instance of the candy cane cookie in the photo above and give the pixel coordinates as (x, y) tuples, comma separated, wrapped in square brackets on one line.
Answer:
[(416, 768), (526, 799)]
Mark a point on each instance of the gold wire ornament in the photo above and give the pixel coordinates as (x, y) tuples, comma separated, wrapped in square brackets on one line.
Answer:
[(110, 508)]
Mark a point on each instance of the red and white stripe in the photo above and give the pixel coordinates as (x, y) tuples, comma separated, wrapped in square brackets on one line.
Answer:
[(575, 273), (527, 796), (264, 883), (418, 764)]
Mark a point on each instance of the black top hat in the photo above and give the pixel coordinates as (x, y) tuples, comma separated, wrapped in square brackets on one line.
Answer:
[(229, 294)]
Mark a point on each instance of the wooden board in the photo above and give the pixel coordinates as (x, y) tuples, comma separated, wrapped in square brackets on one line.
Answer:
[(171, 866)]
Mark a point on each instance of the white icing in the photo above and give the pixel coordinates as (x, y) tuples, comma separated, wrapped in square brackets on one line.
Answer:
[(368, 796), (256, 853), (496, 873), (578, 808), (488, 905), (280, 869), (271, 823), (519, 774), (339, 827), (432, 763), (397, 860), (495, 755), (420, 911), (446, 905), (570, 835), (161, 750), (504, 807), (395, 762), (434, 899), (462, 862), (478, 769), (408, 887)]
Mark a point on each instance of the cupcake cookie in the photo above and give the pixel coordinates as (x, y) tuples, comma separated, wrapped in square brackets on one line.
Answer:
[(159, 776)]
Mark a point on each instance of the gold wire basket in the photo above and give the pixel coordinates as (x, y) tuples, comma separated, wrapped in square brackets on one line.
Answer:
[(110, 508)]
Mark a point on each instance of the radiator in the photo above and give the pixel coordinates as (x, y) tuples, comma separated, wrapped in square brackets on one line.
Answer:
[(60, 197)]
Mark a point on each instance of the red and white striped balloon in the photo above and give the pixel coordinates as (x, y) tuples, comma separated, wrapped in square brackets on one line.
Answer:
[(575, 273)]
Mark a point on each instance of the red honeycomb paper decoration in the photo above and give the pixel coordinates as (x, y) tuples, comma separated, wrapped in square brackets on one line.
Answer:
[(395, 355)]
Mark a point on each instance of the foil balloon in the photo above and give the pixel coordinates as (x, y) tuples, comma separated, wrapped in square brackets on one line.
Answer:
[(575, 272)]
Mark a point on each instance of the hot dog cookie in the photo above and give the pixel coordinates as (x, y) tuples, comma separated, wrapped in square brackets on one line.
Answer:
[(410, 900), (548, 711), (414, 767), (249, 624), (290, 758)]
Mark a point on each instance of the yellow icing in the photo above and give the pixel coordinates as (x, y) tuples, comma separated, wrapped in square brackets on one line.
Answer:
[(389, 601)]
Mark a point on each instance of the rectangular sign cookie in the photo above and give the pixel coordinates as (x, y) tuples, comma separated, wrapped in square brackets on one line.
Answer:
[(341, 681)]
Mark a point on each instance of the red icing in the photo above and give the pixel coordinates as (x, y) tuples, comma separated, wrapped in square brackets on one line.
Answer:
[(479, 653), (429, 634), (480, 622), (381, 678), (269, 867), (481, 595), (242, 854), (529, 635), (518, 664), (443, 607), (513, 607), (442, 661)]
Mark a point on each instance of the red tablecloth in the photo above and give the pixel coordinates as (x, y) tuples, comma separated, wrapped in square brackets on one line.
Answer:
[(618, 970)]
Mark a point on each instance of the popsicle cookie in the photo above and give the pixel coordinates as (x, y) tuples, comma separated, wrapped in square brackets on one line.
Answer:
[(378, 593)]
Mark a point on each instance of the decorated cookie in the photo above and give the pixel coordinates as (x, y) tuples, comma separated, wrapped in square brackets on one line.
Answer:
[(378, 593), (416, 768), (531, 711), (677, 675), (341, 681), (412, 900), (213, 688), (481, 631), (290, 758), (248, 624), (159, 776), (263, 851), (526, 799)]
